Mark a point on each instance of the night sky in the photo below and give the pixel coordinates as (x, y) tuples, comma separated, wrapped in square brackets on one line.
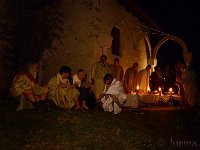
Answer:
[(179, 18)]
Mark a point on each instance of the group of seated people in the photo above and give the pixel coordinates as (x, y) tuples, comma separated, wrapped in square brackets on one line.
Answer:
[(72, 91), (59, 89)]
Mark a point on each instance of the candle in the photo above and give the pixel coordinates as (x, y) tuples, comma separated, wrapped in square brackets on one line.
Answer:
[(170, 102), (148, 90), (159, 89), (170, 91), (137, 89)]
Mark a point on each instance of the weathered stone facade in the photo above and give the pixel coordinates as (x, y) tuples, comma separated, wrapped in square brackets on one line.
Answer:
[(87, 32)]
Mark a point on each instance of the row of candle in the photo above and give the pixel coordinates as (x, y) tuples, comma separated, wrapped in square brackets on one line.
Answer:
[(159, 90)]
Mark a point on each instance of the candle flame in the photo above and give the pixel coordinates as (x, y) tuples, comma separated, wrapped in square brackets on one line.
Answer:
[(170, 89), (137, 87), (148, 89), (159, 89)]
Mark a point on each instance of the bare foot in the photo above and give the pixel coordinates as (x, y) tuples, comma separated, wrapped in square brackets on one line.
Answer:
[(85, 107), (77, 107), (69, 110)]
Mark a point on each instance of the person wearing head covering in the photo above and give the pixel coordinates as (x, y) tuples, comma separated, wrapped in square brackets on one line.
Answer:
[(189, 82), (130, 78), (25, 87), (143, 79), (117, 70), (61, 92), (113, 96)]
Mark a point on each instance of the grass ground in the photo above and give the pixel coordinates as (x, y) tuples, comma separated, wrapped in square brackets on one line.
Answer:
[(96, 129)]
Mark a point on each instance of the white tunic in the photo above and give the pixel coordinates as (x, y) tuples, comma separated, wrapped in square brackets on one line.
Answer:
[(117, 90)]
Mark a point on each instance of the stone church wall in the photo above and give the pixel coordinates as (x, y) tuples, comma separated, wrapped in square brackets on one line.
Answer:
[(87, 31)]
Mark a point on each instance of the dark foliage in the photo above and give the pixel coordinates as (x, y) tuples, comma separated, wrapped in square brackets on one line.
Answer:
[(27, 28)]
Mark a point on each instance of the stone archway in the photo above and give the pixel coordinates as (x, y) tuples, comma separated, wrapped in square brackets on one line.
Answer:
[(186, 55)]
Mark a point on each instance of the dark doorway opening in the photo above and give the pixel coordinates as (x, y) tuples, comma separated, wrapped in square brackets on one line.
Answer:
[(170, 53)]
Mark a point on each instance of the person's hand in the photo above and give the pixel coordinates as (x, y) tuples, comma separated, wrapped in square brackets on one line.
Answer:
[(92, 81), (74, 85), (63, 85), (28, 91), (102, 95)]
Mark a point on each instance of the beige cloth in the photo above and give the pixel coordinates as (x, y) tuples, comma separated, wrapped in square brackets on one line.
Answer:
[(132, 101), (117, 72), (143, 81), (130, 79), (190, 85), (98, 72)]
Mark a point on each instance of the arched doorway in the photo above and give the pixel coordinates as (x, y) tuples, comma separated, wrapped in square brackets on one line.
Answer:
[(186, 55), (169, 53)]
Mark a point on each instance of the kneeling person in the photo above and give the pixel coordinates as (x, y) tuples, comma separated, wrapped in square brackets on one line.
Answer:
[(83, 86), (113, 96), (25, 87), (62, 93)]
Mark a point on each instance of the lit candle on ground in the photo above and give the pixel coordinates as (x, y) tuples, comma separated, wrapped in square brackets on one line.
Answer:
[(148, 90), (170, 91), (137, 89), (170, 101), (159, 89)]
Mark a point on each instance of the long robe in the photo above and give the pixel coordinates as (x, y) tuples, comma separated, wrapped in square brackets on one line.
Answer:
[(57, 94), (143, 80), (98, 72), (190, 86), (116, 89), (24, 81), (130, 79), (117, 71), (157, 81)]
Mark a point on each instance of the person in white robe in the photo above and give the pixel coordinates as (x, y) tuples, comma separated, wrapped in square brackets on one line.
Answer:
[(113, 96)]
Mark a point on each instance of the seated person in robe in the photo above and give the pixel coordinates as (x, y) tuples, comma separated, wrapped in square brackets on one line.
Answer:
[(83, 86), (113, 96), (25, 88), (61, 92)]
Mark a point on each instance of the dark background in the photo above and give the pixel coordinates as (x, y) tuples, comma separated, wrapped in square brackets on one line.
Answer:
[(179, 18)]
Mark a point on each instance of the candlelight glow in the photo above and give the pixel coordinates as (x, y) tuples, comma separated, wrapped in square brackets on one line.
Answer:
[(170, 89), (137, 87), (159, 89), (148, 89)]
